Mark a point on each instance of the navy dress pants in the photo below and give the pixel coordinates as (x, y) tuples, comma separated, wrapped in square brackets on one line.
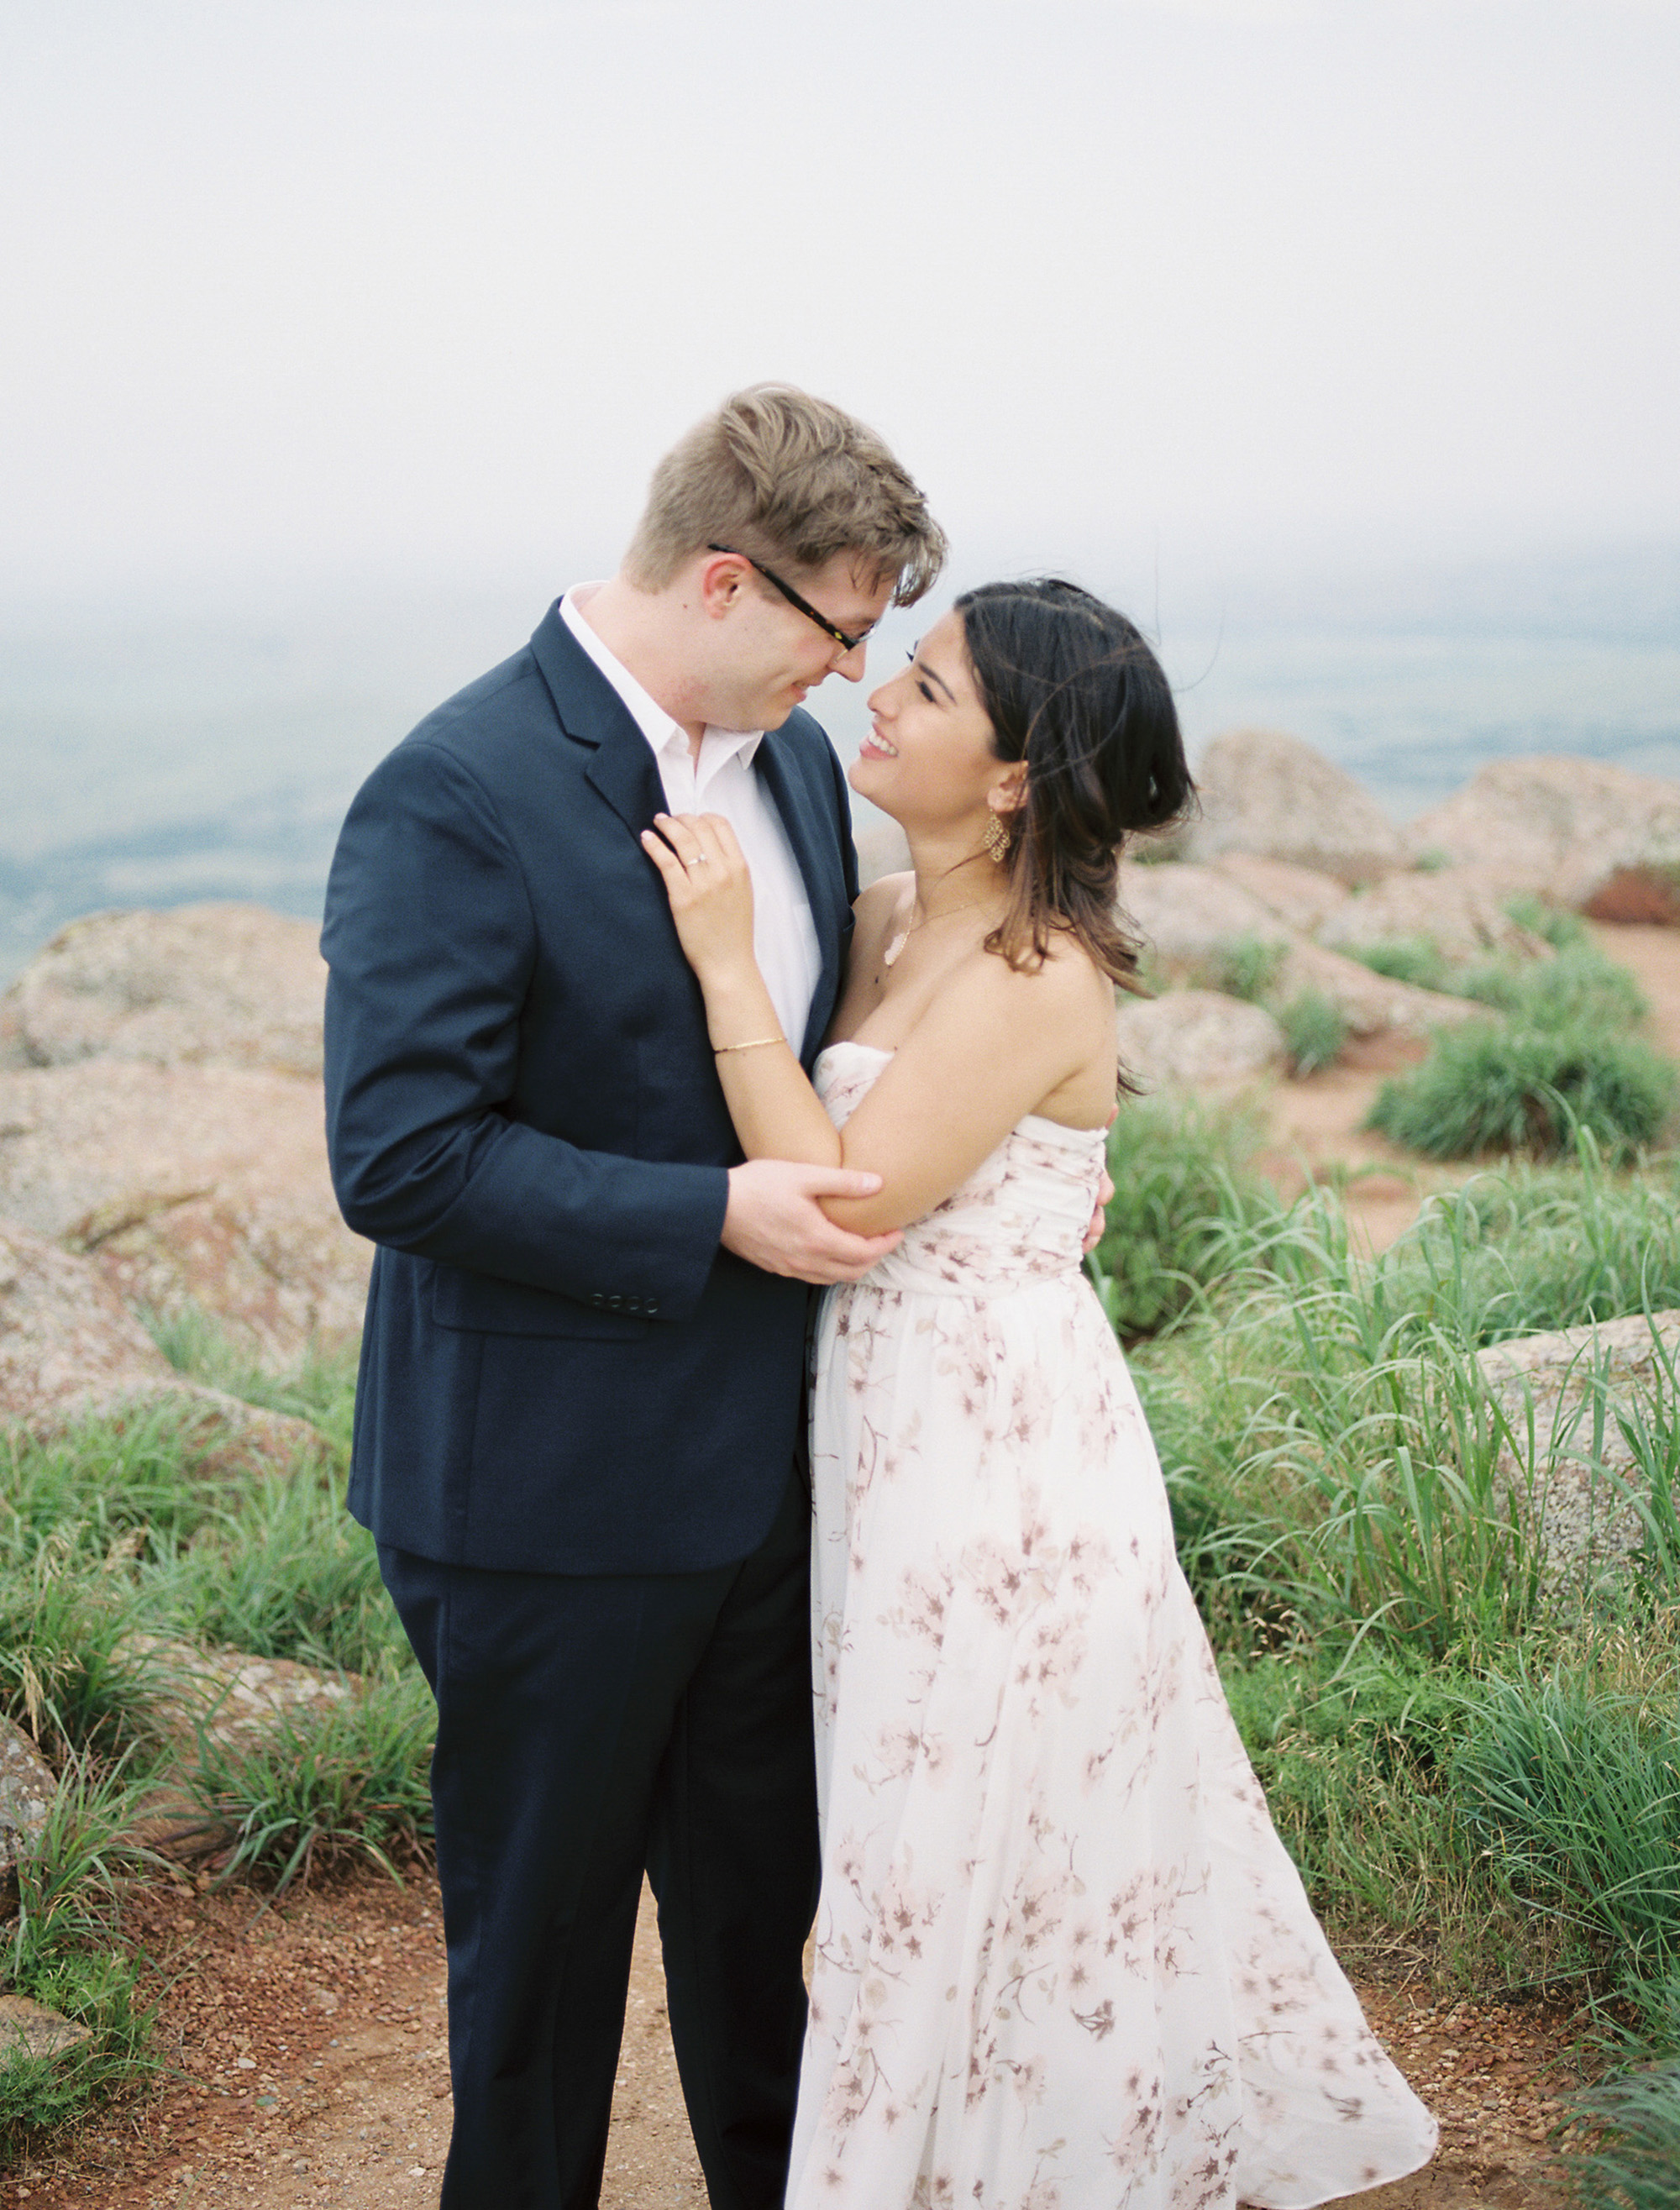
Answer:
[(587, 1728)]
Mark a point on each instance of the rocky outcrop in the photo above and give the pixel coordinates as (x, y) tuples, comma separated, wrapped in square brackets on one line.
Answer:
[(1589, 1520), (30, 2029), (199, 1184), (1273, 796), (70, 1349), (27, 1787), (203, 985), (1189, 917), (1195, 1040), (1300, 898), (228, 1693), (68, 1343), (1459, 910), (12, 1051), (1585, 834), (1371, 1004)]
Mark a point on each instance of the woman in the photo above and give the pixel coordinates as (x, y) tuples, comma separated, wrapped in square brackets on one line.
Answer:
[(1062, 1960)]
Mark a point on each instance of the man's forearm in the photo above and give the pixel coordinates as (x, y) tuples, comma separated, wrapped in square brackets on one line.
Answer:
[(507, 1200)]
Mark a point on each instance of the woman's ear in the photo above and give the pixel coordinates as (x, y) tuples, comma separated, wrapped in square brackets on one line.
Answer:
[(1008, 795)]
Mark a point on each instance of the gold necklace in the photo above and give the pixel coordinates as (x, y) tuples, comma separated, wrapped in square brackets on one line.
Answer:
[(898, 943)]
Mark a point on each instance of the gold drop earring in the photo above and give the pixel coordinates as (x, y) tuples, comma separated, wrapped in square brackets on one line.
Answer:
[(997, 837)]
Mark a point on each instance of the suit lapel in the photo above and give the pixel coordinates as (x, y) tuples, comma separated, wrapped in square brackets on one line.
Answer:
[(622, 767), (625, 773), (811, 833)]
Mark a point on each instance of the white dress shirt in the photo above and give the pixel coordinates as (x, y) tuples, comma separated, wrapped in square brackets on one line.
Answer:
[(784, 936)]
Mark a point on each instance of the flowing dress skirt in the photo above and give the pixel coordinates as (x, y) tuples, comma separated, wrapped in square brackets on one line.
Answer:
[(1062, 1960)]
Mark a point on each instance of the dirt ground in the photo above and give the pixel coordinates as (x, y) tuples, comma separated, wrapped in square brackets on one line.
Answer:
[(1315, 1126), (307, 2066), (305, 2042), (1315, 1133)]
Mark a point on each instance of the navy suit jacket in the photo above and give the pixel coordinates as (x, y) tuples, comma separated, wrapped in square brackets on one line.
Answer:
[(562, 1370)]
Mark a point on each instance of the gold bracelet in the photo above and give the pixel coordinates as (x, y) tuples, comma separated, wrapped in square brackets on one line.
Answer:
[(752, 1043)]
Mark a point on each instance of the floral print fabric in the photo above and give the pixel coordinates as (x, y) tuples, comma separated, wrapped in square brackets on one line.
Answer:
[(1062, 1960)]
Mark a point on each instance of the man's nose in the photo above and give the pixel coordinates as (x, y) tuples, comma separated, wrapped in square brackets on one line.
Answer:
[(851, 664)]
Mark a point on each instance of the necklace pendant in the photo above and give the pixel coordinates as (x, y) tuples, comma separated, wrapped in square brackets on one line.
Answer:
[(895, 947)]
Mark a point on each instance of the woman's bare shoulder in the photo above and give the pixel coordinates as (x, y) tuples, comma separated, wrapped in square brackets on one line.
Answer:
[(877, 906), (1067, 977), (882, 895)]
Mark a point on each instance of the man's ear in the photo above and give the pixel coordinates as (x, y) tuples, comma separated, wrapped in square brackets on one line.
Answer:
[(722, 579)]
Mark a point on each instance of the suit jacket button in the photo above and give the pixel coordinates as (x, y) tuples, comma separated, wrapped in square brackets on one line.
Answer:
[(615, 1304), (650, 1307)]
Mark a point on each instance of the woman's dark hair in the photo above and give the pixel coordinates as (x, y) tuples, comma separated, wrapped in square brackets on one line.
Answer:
[(1071, 688)]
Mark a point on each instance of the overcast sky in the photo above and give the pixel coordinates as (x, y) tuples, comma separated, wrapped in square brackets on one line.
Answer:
[(379, 291)]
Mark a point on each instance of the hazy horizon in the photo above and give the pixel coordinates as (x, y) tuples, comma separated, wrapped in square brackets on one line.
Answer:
[(1336, 339), (349, 288)]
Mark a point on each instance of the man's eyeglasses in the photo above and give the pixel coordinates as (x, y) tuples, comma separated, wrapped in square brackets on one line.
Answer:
[(805, 606)]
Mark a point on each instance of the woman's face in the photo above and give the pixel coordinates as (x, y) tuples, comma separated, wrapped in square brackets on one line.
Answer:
[(928, 759)]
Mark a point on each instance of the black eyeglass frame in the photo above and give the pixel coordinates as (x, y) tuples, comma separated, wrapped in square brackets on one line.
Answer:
[(804, 606)]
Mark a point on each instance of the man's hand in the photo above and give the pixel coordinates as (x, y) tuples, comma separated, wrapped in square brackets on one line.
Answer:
[(1099, 1219), (774, 1221), (1105, 1196)]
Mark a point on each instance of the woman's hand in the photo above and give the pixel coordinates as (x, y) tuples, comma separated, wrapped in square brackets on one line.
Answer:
[(710, 890)]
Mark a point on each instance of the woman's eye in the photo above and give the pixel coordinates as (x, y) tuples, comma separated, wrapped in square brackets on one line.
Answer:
[(926, 692)]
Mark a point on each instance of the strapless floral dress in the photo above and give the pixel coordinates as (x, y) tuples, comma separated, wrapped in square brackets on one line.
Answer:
[(1062, 1960)]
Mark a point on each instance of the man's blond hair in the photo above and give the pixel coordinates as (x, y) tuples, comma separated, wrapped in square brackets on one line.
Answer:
[(788, 480)]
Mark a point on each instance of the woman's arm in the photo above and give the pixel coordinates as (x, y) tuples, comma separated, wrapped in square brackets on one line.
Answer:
[(776, 1112), (992, 1046)]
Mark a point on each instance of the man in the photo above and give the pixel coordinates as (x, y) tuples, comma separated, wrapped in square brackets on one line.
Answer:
[(579, 1408)]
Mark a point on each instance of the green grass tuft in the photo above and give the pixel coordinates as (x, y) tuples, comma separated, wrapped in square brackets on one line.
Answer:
[(1181, 1176), (1486, 1088), (1579, 987), (330, 1782), (1626, 2147), (70, 1671), (1556, 924), (1523, 1248), (282, 1570), (121, 1535), (1314, 1030), (1415, 959), (62, 1951), (1244, 967), (1576, 1789), (135, 1484), (321, 1388), (1352, 1749)]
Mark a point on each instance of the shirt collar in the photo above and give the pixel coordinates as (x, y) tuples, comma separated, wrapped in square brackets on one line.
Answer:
[(661, 731)]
